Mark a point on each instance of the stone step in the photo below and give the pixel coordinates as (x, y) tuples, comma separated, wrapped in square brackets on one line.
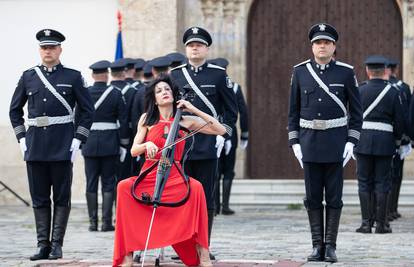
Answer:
[(284, 192)]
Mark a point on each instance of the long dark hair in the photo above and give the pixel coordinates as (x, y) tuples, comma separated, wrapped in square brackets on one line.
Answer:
[(153, 114)]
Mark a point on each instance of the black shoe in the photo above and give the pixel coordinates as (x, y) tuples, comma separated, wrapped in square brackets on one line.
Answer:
[(330, 255), (107, 227), (382, 229), (42, 253), (93, 228), (227, 211), (364, 229), (92, 203), (212, 257), (56, 252), (317, 254)]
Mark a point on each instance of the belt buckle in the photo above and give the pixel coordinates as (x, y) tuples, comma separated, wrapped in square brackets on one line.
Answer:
[(42, 121), (319, 124)]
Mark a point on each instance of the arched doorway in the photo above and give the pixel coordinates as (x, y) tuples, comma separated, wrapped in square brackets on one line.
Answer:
[(277, 40)]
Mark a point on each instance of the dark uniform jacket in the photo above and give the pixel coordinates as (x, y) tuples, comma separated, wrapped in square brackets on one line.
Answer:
[(137, 107), (309, 101), (51, 143), (107, 142), (388, 110), (213, 82), (242, 108), (128, 92), (405, 93)]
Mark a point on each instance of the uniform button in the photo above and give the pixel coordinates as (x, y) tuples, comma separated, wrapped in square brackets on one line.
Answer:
[(319, 114), (44, 99), (306, 91), (64, 93), (44, 113), (30, 93), (44, 128), (321, 72), (319, 99), (336, 92)]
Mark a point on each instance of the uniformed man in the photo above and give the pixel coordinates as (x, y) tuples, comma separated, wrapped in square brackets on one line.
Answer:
[(137, 108), (130, 71), (323, 133), (148, 77), (382, 130), (228, 155), (405, 148), (177, 59), (52, 140), (160, 65), (213, 95), (119, 82), (139, 69), (105, 144)]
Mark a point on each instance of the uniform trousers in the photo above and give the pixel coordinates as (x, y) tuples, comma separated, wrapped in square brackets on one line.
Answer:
[(320, 178), (104, 167), (205, 171), (45, 176), (373, 173)]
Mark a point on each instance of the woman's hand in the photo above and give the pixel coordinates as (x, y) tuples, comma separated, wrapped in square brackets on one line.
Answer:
[(186, 106), (151, 149)]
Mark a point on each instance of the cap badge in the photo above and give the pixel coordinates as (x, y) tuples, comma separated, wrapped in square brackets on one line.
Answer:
[(322, 27), (195, 30), (47, 32)]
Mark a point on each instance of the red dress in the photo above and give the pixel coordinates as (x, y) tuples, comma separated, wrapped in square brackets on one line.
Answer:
[(181, 227)]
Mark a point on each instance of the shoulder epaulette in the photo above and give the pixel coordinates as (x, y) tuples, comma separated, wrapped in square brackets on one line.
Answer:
[(209, 65), (302, 63), (339, 63), (179, 67), (395, 86), (32, 68)]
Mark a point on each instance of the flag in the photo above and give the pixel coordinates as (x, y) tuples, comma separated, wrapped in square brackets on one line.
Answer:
[(119, 50)]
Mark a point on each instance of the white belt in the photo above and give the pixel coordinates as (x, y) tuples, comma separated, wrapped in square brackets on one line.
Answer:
[(47, 121), (323, 124), (379, 126), (102, 126)]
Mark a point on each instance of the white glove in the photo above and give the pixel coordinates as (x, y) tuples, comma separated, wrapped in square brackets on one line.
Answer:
[(404, 151), (122, 153), (348, 153), (243, 143), (74, 148), (22, 144), (227, 147), (219, 144), (297, 150)]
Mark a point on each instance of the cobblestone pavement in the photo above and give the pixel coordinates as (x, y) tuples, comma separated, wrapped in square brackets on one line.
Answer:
[(255, 236)]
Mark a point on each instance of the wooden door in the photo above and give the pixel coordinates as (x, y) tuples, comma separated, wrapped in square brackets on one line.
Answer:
[(278, 39)]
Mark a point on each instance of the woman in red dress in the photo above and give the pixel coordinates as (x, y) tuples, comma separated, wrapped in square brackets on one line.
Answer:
[(184, 227)]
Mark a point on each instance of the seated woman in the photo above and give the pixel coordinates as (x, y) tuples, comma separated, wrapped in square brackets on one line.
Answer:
[(184, 227)]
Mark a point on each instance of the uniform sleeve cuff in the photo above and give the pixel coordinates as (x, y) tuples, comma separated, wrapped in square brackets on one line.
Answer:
[(354, 134), (82, 133), (20, 131), (244, 136), (229, 130)]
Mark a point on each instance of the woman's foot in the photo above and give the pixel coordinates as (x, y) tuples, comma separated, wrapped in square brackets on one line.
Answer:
[(204, 256), (128, 261)]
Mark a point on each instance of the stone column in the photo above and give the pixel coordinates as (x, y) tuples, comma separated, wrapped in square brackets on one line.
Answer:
[(149, 27)]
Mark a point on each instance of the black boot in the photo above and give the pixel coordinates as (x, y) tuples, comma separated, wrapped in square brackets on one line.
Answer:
[(107, 203), (210, 214), (42, 220), (372, 208), (60, 221), (365, 201), (332, 224), (316, 227), (381, 210), (92, 202), (226, 197)]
